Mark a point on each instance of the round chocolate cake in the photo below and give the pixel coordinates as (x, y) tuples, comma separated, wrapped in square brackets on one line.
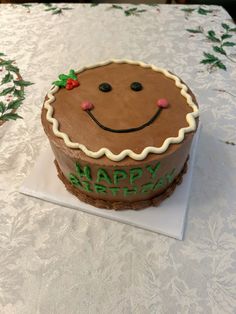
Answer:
[(121, 132)]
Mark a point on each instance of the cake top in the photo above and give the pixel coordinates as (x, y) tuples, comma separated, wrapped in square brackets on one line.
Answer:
[(120, 108)]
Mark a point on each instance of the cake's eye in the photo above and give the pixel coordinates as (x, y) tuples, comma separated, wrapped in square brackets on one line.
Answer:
[(136, 86), (105, 87)]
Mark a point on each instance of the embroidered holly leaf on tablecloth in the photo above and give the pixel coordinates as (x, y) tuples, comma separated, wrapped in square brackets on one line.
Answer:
[(219, 45), (11, 89), (203, 11), (55, 9)]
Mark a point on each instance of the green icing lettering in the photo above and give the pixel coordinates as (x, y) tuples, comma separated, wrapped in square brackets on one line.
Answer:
[(170, 176), (102, 175), (86, 186), (114, 190), (147, 187), (154, 170), (119, 175), (160, 184), (100, 188), (128, 192), (83, 172), (135, 173), (74, 180)]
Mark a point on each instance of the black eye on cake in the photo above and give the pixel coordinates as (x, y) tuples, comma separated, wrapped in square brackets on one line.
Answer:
[(106, 87), (136, 86)]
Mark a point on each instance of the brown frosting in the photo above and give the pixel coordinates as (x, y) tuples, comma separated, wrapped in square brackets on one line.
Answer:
[(121, 108)]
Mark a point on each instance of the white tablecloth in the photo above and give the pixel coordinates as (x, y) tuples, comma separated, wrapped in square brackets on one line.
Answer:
[(58, 260)]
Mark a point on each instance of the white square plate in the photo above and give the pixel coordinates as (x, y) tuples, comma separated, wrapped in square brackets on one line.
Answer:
[(168, 218)]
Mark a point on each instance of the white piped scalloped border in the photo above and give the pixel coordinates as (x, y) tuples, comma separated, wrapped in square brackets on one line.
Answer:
[(190, 117)]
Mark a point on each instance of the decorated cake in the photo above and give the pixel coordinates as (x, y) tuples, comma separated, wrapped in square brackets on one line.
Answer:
[(121, 132)]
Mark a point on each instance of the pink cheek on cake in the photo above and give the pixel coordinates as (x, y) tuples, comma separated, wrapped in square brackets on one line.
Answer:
[(87, 105), (162, 103)]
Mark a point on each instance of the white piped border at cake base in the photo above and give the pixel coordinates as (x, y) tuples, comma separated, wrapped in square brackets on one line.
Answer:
[(190, 118)]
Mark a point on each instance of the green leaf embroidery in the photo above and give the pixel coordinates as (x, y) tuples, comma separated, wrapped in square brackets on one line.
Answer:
[(7, 78), (212, 36), (117, 7), (230, 143), (233, 29), (210, 56), (224, 36), (221, 65), (66, 9), (50, 9), (6, 62), (26, 5), (228, 44), (12, 68), (22, 83), (2, 54), (203, 11), (14, 104), (10, 116), (195, 31), (225, 26), (7, 91), (219, 50), (57, 11), (19, 93), (94, 4), (2, 107), (188, 10)]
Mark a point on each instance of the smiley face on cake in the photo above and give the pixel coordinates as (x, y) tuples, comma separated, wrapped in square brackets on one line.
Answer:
[(118, 116)]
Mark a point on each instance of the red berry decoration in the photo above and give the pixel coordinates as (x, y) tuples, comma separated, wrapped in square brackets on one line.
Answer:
[(75, 83), (162, 103), (87, 105), (69, 86), (71, 83)]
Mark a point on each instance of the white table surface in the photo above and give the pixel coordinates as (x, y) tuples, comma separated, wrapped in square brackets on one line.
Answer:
[(57, 260)]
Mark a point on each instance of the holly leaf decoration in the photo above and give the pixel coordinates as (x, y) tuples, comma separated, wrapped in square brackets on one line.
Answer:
[(22, 83), (220, 65), (7, 78), (2, 107), (10, 116), (115, 6), (2, 54), (225, 26), (14, 104), (7, 91), (12, 68), (228, 44), (219, 50), (225, 36), (19, 93), (203, 11), (60, 83), (14, 94), (188, 10), (64, 77), (73, 75), (195, 31), (212, 36), (57, 11)]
